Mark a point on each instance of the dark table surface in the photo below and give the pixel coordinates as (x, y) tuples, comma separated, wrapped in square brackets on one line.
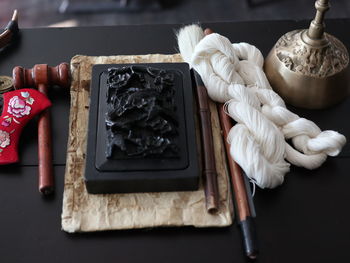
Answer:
[(304, 220)]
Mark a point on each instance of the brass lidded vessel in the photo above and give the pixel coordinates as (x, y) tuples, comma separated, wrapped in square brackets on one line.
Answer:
[(309, 68)]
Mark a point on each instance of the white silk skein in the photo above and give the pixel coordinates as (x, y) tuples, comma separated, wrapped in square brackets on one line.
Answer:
[(233, 74)]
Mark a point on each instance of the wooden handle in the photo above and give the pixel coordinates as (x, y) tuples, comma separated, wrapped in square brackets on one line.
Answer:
[(211, 191), (209, 172), (46, 180), (235, 171)]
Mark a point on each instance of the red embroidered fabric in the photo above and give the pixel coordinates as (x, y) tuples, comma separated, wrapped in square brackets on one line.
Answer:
[(19, 107)]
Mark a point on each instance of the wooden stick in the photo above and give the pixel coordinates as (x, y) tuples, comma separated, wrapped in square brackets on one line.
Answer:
[(209, 171), (45, 156), (241, 197), (235, 170)]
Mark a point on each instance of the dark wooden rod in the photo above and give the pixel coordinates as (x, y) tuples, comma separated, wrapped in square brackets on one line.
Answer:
[(245, 219), (46, 178), (235, 171), (209, 171)]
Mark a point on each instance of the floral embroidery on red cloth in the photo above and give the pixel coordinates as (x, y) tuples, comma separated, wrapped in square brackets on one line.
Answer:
[(4, 139), (6, 122), (19, 107)]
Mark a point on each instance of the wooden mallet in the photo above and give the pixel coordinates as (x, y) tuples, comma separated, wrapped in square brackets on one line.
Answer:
[(42, 76)]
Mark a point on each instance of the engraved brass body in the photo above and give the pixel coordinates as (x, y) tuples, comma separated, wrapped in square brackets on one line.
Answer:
[(6, 84), (309, 68)]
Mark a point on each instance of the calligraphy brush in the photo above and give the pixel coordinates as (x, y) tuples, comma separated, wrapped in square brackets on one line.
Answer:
[(244, 205), (188, 38)]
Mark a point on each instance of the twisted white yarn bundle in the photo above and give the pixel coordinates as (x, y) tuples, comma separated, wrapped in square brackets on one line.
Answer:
[(233, 74)]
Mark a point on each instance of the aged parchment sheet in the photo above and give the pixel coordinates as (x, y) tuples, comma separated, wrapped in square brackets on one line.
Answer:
[(83, 212)]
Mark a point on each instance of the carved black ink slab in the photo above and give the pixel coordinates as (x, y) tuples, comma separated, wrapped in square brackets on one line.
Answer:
[(141, 135), (141, 117)]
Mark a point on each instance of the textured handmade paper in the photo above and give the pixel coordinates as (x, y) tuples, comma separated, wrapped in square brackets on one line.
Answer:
[(83, 212)]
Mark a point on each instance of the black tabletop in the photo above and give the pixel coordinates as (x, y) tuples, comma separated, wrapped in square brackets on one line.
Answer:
[(304, 220)]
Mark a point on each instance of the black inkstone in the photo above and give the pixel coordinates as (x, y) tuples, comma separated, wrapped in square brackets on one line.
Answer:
[(141, 116), (141, 135)]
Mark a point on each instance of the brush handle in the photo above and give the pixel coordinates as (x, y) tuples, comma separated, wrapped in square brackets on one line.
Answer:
[(209, 172), (245, 220)]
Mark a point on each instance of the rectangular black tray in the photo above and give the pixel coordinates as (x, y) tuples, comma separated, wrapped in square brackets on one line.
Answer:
[(149, 174)]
